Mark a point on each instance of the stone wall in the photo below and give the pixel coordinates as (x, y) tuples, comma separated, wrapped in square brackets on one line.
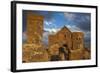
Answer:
[(76, 54), (34, 53)]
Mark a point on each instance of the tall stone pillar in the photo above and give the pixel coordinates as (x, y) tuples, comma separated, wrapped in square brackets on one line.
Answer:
[(34, 28)]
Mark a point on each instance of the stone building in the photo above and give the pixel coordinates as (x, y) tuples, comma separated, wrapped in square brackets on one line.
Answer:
[(73, 41), (62, 37)]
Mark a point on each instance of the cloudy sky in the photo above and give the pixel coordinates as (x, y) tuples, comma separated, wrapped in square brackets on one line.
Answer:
[(54, 21)]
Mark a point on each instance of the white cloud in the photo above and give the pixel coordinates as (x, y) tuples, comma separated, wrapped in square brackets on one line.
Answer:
[(69, 15), (47, 22), (87, 34), (51, 30), (45, 37)]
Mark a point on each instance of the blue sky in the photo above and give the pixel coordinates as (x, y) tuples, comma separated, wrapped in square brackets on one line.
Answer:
[(54, 21)]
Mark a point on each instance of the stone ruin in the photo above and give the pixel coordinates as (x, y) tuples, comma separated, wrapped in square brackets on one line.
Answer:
[(64, 45)]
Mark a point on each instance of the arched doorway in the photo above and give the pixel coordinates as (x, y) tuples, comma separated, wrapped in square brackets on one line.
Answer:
[(64, 51)]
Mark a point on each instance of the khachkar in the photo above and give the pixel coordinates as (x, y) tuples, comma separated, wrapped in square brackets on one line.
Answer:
[(33, 49)]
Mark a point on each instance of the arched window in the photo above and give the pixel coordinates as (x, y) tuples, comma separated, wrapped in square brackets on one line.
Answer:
[(65, 35)]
